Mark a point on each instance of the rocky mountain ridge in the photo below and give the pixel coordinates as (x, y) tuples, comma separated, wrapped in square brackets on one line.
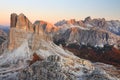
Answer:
[(92, 39), (111, 25)]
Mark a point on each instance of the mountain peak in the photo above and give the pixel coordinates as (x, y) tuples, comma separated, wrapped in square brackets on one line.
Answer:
[(21, 22), (46, 26), (20, 26), (87, 19), (21, 14), (13, 20), (71, 21)]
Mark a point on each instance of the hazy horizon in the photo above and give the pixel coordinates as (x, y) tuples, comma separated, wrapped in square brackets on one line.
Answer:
[(55, 10)]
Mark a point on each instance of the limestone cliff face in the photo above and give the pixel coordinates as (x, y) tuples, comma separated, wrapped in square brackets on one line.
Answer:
[(46, 27), (13, 20), (22, 29), (24, 23), (21, 22), (112, 26), (16, 38), (93, 37)]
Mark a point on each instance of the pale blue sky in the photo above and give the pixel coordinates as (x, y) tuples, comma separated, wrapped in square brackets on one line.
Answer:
[(55, 10)]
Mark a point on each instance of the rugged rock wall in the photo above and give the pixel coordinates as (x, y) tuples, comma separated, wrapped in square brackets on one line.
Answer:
[(22, 29), (21, 22), (91, 41), (58, 68), (112, 26), (93, 37)]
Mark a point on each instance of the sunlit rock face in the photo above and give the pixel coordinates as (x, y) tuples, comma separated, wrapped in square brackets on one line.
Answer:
[(16, 38), (72, 21), (93, 37), (94, 32), (21, 22), (46, 27), (69, 23), (22, 29), (111, 26)]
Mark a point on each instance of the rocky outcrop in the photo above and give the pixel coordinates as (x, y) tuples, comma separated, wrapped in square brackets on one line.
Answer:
[(35, 58), (13, 20), (22, 29), (46, 27), (21, 22), (72, 21), (58, 68), (3, 41), (55, 68), (87, 19)]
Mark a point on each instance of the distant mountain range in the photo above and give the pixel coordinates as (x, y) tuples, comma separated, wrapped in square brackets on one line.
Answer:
[(5, 28), (94, 32), (112, 25), (93, 39)]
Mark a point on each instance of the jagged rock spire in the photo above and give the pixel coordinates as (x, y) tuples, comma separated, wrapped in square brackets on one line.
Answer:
[(22, 29), (21, 21), (13, 20), (87, 19)]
